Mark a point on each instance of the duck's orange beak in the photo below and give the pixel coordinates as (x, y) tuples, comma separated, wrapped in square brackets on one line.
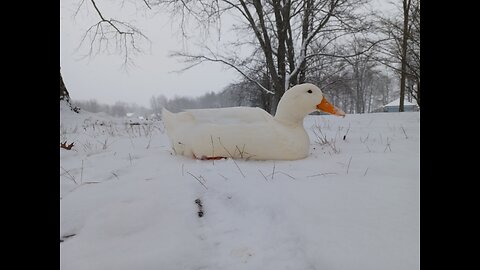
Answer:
[(329, 108)]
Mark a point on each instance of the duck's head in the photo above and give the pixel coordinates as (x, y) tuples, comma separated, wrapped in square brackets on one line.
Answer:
[(301, 100)]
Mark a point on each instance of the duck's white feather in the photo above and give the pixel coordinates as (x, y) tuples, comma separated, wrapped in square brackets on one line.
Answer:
[(204, 136), (231, 115)]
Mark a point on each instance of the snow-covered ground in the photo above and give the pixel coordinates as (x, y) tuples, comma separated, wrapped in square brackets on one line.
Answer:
[(128, 203)]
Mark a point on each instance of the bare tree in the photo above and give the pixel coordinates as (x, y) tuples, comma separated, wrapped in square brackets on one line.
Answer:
[(403, 52), (362, 66), (283, 32), (413, 51), (353, 82), (405, 35)]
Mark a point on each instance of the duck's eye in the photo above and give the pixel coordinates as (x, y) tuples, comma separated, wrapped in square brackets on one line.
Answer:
[(309, 91)]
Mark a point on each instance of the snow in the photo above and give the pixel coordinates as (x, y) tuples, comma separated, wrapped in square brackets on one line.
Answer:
[(129, 202)]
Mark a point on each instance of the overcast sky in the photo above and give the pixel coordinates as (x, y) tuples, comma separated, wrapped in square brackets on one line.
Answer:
[(103, 78)]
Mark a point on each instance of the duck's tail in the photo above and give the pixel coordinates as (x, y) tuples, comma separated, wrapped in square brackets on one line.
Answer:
[(174, 126), (167, 118)]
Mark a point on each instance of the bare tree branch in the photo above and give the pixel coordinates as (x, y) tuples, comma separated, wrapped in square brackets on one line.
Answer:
[(372, 45), (108, 21), (123, 34), (198, 59)]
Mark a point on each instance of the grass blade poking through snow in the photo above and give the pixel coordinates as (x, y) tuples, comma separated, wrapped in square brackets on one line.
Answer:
[(201, 183), (219, 141)]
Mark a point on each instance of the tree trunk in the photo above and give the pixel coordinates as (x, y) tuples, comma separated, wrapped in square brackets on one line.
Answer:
[(307, 26), (279, 91), (64, 95), (417, 96), (403, 77)]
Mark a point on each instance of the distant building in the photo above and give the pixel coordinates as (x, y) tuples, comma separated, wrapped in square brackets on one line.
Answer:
[(394, 105)]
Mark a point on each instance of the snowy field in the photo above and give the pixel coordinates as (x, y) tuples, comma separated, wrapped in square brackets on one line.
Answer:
[(128, 203)]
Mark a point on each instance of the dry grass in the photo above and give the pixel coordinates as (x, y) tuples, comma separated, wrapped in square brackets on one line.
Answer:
[(321, 139), (198, 179)]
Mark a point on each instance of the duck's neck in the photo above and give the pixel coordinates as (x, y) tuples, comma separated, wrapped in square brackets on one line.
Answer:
[(288, 117)]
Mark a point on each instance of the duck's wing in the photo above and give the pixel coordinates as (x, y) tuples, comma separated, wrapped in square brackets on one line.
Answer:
[(231, 115)]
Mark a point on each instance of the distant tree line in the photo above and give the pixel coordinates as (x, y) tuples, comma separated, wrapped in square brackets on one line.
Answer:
[(352, 85), (118, 109)]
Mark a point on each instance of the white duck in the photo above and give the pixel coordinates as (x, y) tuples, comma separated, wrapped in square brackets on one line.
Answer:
[(248, 133)]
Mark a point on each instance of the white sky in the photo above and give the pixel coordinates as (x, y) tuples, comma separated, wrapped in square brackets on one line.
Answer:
[(102, 77)]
